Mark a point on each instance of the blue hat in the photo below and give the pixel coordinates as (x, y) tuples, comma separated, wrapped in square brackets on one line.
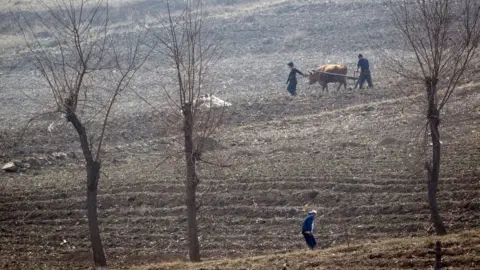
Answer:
[(290, 64)]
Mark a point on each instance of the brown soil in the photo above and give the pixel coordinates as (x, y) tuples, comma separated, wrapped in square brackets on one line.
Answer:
[(460, 251), (355, 156)]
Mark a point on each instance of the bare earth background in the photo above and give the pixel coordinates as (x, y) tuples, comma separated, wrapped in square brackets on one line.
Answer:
[(353, 155)]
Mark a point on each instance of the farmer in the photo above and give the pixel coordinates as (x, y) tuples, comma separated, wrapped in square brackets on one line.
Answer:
[(365, 75), (292, 79), (307, 229)]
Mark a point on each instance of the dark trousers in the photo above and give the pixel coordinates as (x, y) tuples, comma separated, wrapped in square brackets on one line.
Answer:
[(310, 240), (365, 76), (292, 88)]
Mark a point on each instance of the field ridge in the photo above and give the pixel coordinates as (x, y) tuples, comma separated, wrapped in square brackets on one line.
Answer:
[(461, 251)]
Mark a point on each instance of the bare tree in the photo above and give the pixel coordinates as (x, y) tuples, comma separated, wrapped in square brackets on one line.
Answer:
[(86, 67), (191, 48), (444, 36)]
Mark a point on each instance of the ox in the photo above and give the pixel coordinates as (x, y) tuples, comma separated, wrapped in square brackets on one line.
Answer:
[(325, 75)]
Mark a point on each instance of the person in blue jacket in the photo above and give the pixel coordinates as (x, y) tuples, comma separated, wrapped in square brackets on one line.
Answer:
[(307, 229), (292, 79), (365, 74)]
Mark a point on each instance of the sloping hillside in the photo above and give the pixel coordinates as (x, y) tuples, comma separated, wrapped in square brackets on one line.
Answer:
[(461, 251), (359, 167), (354, 155)]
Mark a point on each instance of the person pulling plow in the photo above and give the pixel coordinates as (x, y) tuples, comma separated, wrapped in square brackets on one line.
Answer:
[(365, 74)]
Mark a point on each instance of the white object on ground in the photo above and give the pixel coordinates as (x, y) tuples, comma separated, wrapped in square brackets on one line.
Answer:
[(210, 101)]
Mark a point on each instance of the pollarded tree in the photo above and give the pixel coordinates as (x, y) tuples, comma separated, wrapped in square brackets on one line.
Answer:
[(86, 67), (444, 36)]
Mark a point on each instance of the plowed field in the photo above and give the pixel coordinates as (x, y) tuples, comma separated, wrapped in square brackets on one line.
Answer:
[(355, 156)]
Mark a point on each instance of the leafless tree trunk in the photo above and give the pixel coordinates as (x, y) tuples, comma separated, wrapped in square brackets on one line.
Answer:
[(85, 59), (191, 47), (433, 170), (438, 255), (93, 175), (444, 36), (191, 183)]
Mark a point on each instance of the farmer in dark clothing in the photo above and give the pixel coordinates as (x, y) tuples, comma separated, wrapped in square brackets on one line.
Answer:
[(292, 79), (307, 229), (365, 74)]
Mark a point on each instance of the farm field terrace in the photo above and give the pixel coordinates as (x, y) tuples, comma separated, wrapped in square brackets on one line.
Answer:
[(355, 156)]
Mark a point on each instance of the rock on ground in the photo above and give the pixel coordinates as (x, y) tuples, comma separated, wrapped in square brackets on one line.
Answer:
[(59, 155), (12, 166), (210, 101)]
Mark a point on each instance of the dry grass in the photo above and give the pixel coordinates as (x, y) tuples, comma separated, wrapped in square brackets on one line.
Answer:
[(461, 251)]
